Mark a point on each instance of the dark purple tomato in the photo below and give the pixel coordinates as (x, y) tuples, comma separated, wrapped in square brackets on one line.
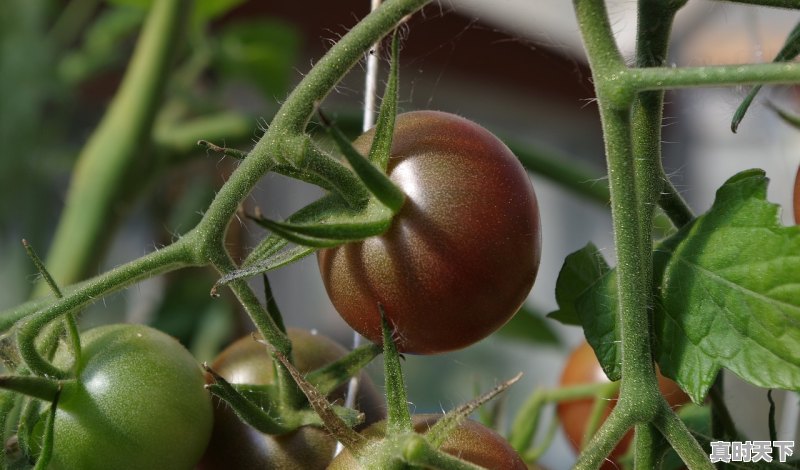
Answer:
[(460, 257), (236, 445), (471, 441)]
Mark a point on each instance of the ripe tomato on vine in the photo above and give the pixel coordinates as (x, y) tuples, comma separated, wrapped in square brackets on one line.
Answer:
[(462, 254)]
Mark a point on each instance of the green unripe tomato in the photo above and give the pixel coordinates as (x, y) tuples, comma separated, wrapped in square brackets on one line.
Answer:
[(139, 403), (461, 255), (470, 441)]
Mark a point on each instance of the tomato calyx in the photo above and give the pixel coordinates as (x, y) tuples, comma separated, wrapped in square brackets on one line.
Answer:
[(362, 203), (400, 446), (271, 409)]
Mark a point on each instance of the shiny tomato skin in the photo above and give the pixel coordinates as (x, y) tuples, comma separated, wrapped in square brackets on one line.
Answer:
[(582, 368), (797, 197), (140, 403), (236, 445), (471, 441), (461, 255)]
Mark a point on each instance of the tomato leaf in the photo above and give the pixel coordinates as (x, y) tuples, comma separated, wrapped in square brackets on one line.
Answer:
[(597, 310), (587, 296), (580, 271), (729, 287)]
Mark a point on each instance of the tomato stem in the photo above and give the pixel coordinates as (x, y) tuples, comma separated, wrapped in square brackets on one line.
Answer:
[(631, 128)]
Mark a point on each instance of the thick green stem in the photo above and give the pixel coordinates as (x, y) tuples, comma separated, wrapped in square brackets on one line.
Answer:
[(106, 160), (631, 188), (645, 449), (681, 439)]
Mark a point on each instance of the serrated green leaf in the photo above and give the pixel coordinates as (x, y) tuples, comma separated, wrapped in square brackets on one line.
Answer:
[(581, 269), (530, 327), (597, 311), (729, 287), (586, 292)]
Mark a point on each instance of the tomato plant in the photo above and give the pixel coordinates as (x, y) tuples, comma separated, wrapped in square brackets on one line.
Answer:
[(235, 444), (137, 402), (470, 214), (470, 441), (582, 367)]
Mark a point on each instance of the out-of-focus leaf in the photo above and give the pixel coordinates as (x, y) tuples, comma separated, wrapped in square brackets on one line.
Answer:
[(100, 48), (530, 327), (204, 10), (262, 52), (729, 286)]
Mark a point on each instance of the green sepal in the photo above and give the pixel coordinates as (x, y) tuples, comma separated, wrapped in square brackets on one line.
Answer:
[(49, 432), (381, 148), (418, 452), (245, 408), (324, 410), (275, 260), (398, 419), (445, 426), (329, 378), (790, 50), (272, 307), (376, 181), (29, 416), (330, 221)]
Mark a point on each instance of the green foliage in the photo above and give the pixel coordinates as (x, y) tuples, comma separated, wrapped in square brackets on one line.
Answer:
[(727, 295), (204, 10), (262, 52), (730, 293)]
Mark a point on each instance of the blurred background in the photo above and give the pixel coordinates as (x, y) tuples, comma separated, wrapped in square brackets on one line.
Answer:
[(516, 67)]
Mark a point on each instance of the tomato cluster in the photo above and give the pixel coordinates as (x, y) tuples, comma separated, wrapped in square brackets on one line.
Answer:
[(460, 257)]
